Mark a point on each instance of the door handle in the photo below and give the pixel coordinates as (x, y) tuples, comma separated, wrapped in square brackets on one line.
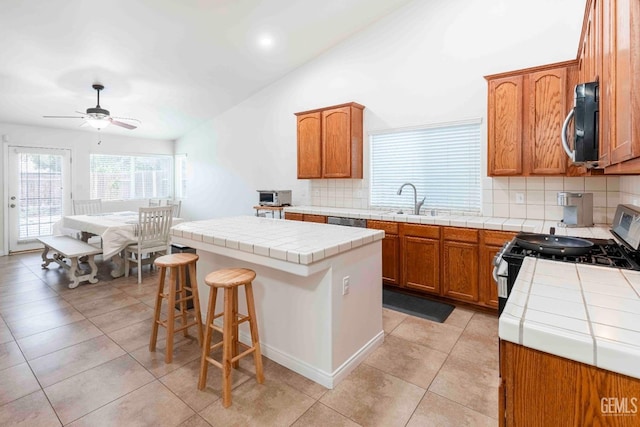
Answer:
[(13, 197), (12, 205)]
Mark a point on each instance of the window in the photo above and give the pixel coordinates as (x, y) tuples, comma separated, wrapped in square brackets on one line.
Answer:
[(442, 161), (115, 177), (181, 176)]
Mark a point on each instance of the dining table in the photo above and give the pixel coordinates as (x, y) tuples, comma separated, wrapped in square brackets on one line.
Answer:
[(116, 229)]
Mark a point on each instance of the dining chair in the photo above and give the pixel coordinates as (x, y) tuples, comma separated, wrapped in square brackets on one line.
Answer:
[(154, 203), (87, 207), (153, 238), (176, 207)]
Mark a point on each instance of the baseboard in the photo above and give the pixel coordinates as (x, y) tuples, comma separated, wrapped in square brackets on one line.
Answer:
[(326, 379)]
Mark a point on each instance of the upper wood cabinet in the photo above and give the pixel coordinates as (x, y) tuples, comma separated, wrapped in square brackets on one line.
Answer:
[(526, 109), (330, 142), (620, 83)]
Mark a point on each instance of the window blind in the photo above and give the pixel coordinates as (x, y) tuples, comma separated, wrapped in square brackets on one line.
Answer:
[(116, 177), (442, 161)]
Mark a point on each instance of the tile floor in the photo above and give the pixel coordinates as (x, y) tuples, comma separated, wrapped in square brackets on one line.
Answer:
[(80, 357)]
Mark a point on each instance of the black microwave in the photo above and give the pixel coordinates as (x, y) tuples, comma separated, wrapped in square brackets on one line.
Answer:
[(585, 114)]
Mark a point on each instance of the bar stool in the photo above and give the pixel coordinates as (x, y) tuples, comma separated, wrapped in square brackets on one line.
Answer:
[(177, 265), (230, 279)]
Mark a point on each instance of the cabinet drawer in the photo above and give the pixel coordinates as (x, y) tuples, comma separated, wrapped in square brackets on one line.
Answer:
[(496, 238), (387, 226), (293, 216), (428, 231), (460, 234), (314, 218)]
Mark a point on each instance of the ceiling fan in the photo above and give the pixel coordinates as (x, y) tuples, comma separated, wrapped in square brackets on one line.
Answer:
[(98, 117)]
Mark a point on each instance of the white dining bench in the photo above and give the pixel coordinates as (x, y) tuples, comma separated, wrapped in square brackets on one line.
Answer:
[(66, 247)]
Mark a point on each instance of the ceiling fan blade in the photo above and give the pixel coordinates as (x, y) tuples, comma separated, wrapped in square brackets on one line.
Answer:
[(84, 124), (122, 124), (63, 117)]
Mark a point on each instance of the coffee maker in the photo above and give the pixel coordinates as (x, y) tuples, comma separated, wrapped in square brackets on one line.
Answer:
[(577, 209)]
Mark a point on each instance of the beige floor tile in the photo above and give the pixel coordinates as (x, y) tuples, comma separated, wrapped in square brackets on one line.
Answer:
[(320, 415), (151, 405), (15, 382), (391, 319), (287, 376), (126, 316), (104, 305), (184, 383), (58, 338), (8, 301), (371, 397), (195, 421), (91, 292), (32, 410), (184, 351), (5, 333), (70, 361), (459, 317), (138, 290), (480, 348), (16, 275), (10, 355), (437, 411), (438, 336), (33, 309), (138, 334), (43, 322), (408, 361), (483, 323), (470, 384), (270, 404), (12, 288), (77, 396)]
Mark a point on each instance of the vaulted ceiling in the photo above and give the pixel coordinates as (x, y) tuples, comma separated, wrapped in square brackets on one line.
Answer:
[(171, 64)]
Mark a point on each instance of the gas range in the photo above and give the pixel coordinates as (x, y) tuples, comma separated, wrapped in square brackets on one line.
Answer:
[(605, 252), (623, 253)]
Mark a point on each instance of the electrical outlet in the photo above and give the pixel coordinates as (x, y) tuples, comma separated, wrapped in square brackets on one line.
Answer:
[(345, 285), (519, 198)]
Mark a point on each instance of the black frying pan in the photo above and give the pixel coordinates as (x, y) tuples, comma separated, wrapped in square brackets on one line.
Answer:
[(555, 245)]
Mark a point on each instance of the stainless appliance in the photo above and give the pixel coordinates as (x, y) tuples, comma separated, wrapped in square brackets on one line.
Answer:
[(623, 253), (585, 128), (274, 197), (577, 209), (348, 222)]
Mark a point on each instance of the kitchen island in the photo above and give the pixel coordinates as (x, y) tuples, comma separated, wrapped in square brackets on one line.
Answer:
[(570, 346), (318, 289)]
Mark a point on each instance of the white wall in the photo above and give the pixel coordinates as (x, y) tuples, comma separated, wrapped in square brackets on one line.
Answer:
[(81, 144), (423, 64)]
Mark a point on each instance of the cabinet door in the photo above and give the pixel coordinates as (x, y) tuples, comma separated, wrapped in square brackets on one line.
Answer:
[(460, 272), (293, 216), (488, 287), (336, 147), (390, 251), (421, 266), (546, 108), (391, 259), (310, 146), (505, 126)]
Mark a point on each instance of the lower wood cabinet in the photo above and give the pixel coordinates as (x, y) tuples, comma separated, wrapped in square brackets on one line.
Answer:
[(390, 251), (420, 257), (293, 216), (490, 243), (460, 251), (305, 217), (541, 389)]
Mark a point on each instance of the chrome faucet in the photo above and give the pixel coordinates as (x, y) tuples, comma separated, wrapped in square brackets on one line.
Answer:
[(416, 205)]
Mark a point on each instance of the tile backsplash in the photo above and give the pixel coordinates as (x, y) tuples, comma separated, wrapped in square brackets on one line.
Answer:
[(509, 197)]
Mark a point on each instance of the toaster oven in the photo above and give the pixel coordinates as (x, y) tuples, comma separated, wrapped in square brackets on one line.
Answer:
[(274, 197)]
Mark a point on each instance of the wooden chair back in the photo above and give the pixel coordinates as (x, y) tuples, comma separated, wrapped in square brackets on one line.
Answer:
[(176, 207), (154, 225)]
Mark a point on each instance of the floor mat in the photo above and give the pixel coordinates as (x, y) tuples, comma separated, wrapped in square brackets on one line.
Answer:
[(416, 306)]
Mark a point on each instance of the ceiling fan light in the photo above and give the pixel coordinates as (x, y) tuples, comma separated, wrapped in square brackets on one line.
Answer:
[(97, 123)]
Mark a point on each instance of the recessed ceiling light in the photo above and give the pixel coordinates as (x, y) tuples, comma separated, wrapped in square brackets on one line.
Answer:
[(265, 41)]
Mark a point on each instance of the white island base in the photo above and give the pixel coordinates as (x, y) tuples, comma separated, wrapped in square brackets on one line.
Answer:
[(305, 322)]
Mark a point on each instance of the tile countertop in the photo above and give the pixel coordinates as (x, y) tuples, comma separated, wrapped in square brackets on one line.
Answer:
[(291, 241), (483, 222), (581, 312)]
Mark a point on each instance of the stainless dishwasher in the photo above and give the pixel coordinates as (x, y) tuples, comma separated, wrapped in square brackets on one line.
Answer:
[(348, 222)]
